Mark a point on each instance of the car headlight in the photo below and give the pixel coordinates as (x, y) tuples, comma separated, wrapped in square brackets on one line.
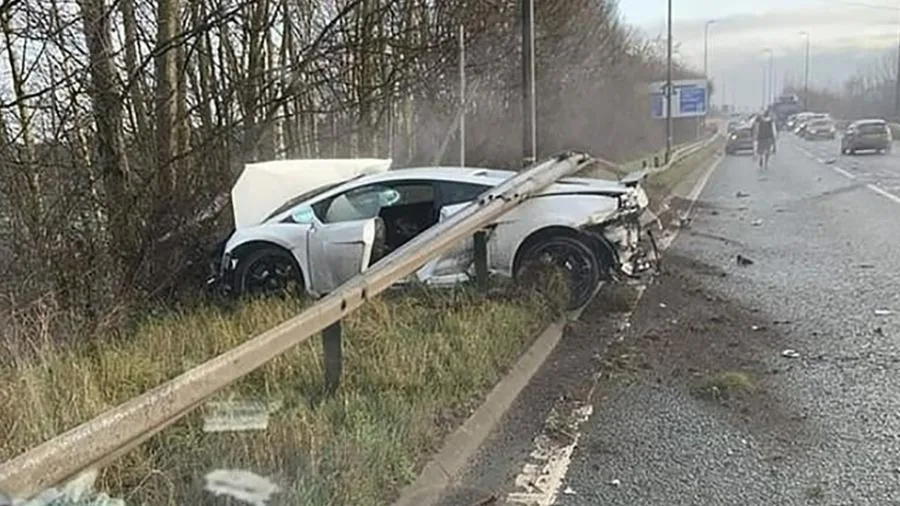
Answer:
[(628, 201)]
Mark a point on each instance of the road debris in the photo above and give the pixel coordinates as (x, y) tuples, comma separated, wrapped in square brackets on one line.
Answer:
[(756, 222), (883, 312), (743, 261), (569, 491), (865, 266), (789, 353), (615, 482), (830, 161), (662, 305), (741, 195)]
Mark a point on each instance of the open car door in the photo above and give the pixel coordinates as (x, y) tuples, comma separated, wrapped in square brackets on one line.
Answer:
[(453, 265), (339, 251)]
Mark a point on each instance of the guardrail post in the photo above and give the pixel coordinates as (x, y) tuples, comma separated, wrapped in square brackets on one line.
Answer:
[(481, 266), (333, 351)]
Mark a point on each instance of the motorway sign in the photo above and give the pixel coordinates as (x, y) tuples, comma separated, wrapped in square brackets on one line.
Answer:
[(688, 98)]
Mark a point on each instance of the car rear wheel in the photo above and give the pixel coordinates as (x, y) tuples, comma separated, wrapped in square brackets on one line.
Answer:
[(572, 257), (268, 271)]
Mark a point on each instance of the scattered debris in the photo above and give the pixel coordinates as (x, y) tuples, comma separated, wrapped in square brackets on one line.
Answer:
[(714, 212), (245, 486), (569, 491), (615, 482), (879, 331), (756, 222), (662, 305), (742, 260), (830, 161), (741, 195), (883, 312), (789, 353), (865, 266), (757, 327)]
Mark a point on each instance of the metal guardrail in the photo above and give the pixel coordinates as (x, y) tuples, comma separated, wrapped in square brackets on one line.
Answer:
[(117, 431)]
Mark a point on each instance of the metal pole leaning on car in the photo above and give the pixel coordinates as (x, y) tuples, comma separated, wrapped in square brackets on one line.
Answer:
[(668, 91), (120, 429), (529, 113)]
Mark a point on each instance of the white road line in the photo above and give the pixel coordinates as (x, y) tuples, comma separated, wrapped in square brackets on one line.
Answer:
[(890, 196), (843, 172), (540, 480)]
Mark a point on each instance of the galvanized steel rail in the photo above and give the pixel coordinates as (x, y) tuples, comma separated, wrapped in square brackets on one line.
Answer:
[(117, 431)]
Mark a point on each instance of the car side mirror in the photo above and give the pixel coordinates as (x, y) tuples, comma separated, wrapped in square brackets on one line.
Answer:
[(302, 215)]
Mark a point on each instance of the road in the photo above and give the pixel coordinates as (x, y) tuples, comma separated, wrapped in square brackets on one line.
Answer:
[(769, 383)]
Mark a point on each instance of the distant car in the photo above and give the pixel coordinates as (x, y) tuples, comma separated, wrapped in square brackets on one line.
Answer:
[(820, 128), (311, 225), (741, 139), (867, 134)]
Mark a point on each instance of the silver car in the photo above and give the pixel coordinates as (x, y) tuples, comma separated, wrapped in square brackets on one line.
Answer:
[(328, 233)]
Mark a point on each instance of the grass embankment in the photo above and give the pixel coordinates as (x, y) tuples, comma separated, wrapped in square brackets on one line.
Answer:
[(414, 366), (663, 184)]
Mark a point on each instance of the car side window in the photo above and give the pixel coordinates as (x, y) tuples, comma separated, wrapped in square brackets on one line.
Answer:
[(366, 202), (457, 193)]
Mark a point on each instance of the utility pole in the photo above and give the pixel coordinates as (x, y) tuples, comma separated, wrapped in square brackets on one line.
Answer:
[(767, 78), (806, 73), (668, 92), (462, 96), (897, 86), (529, 114), (706, 63)]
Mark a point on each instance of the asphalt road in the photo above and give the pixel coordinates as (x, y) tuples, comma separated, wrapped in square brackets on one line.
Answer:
[(812, 325), (823, 282), (868, 167)]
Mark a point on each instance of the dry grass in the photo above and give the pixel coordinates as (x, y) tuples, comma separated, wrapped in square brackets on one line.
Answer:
[(413, 368)]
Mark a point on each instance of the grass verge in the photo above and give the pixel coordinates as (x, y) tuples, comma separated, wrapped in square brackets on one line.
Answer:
[(414, 366)]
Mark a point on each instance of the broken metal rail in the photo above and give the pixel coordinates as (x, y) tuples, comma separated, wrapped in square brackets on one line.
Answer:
[(113, 433)]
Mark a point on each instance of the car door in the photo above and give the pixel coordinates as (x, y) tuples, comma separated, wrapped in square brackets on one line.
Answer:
[(453, 265), (340, 240)]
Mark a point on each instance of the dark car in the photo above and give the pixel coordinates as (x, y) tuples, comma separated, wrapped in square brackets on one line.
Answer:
[(867, 134), (741, 139), (819, 128)]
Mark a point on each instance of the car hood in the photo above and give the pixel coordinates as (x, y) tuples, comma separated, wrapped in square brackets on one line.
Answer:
[(576, 185), (263, 186)]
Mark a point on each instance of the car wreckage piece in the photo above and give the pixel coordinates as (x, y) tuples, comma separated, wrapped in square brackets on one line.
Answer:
[(310, 225)]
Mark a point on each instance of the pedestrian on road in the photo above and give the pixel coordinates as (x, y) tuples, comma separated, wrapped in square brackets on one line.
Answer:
[(764, 136)]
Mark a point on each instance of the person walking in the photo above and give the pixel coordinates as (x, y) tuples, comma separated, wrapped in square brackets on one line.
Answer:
[(764, 137)]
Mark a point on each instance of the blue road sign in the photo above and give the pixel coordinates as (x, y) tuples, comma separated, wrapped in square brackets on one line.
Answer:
[(692, 100)]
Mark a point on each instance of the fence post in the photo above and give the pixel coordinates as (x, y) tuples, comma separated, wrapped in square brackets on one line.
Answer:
[(332, 349), (481, 266)]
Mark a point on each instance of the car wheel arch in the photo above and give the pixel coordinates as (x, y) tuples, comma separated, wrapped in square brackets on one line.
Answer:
[(247, 248), (602, 249)]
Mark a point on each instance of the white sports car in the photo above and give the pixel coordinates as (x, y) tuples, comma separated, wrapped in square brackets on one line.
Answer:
[(317, 223)]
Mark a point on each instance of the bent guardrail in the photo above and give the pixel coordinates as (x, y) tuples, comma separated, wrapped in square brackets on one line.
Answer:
[(116, 431)]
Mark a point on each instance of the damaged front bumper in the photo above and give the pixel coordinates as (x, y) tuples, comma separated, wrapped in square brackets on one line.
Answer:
[(633, 245)]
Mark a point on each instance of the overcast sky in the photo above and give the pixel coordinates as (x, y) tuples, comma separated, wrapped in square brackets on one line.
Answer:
[(845, 36)]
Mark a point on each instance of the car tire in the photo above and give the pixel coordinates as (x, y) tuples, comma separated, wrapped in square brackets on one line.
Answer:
[(285, 280), (565, 249)]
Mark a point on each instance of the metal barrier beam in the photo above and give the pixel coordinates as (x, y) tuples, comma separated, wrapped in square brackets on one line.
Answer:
[(117, 431)]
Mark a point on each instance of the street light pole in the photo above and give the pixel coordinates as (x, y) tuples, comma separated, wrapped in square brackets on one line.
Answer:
[(462, 96), (529, 120), (706, 63), (668, 92), (806, 72), (767, 78)]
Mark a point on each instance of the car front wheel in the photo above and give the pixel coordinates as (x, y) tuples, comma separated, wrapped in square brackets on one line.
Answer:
[(267, 271), (573, 258)]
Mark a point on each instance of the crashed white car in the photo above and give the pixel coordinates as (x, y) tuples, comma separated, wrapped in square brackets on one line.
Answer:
[(315, 224)]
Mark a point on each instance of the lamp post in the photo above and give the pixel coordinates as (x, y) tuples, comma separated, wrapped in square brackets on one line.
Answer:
[(529, 134), (706, 63), (806, 72), (668, 91)]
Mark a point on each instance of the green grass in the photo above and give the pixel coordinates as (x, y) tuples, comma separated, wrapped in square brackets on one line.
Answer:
[(414, 367), (663, 183), (724, 385)]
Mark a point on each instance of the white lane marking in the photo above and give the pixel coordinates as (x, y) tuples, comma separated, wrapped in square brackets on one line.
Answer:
[(843, 172), (887, 195), (540, 481)]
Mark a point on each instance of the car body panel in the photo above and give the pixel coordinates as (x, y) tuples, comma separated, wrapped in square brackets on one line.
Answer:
[(740, 140)]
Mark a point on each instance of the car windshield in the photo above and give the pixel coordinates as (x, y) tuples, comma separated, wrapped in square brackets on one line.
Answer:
[(303, 197), (821, 123)]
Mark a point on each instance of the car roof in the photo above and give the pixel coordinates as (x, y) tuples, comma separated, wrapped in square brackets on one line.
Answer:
[(873, 121), (481, 175)]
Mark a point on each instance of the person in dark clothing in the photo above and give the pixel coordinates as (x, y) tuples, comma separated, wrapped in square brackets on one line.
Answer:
[(764, 135)]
